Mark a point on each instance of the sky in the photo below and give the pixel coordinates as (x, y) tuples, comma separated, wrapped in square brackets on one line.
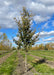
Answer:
[(43, 11)]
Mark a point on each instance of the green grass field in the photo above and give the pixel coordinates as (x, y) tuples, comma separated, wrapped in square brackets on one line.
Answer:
[(49, 55), (9, 66), (42, 68), (3, 52)]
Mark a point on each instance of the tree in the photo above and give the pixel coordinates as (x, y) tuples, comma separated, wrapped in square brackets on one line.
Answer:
[(25, 33), (49, 46), (41, 47), (5, 44), (18, 43), (13, 48)]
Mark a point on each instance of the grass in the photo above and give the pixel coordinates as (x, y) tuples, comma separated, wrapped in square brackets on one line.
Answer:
[(42, 68), (44, 52), (23, 53), (3, 53), (49, 55), (9, 66)]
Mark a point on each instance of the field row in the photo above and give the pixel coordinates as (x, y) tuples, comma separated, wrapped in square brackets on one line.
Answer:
[(41, 69), (3, 53), (49, 55), (9, 66)]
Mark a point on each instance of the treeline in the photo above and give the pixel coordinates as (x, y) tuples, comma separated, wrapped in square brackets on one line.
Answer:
[(5, 44), (48, 46)]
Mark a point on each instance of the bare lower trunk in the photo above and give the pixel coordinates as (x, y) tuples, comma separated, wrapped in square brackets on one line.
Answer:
[(25, 62)]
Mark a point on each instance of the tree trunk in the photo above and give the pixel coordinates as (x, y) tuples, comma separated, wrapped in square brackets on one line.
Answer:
[(26, 62)]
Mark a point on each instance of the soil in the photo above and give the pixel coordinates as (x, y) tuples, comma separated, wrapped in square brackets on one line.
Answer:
[(20, 70), (3, 59), (50, 63)]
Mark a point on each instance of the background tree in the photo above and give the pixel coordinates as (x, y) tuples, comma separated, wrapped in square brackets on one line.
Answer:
[(5, 44), (13, 48), (25, 33), (48, 46), (41, 47)]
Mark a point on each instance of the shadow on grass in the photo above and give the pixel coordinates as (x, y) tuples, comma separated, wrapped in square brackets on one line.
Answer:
[(36, 63)]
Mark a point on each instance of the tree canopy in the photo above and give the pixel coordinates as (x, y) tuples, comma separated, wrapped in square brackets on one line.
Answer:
[(25, 32)]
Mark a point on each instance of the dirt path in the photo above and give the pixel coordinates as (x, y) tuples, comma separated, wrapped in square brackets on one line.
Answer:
[(3, 59), (49, 63), (20, 70)]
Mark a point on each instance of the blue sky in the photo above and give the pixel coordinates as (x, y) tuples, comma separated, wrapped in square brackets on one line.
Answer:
[(43, 11)]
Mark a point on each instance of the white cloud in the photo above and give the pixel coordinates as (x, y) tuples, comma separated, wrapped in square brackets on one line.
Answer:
[(47, 2), (49, 39), (43, 9), (39, 8), (46, 37), (45, 34), (16, 38), (7, 3), (45, 41), (45, 25), (40, 19)]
